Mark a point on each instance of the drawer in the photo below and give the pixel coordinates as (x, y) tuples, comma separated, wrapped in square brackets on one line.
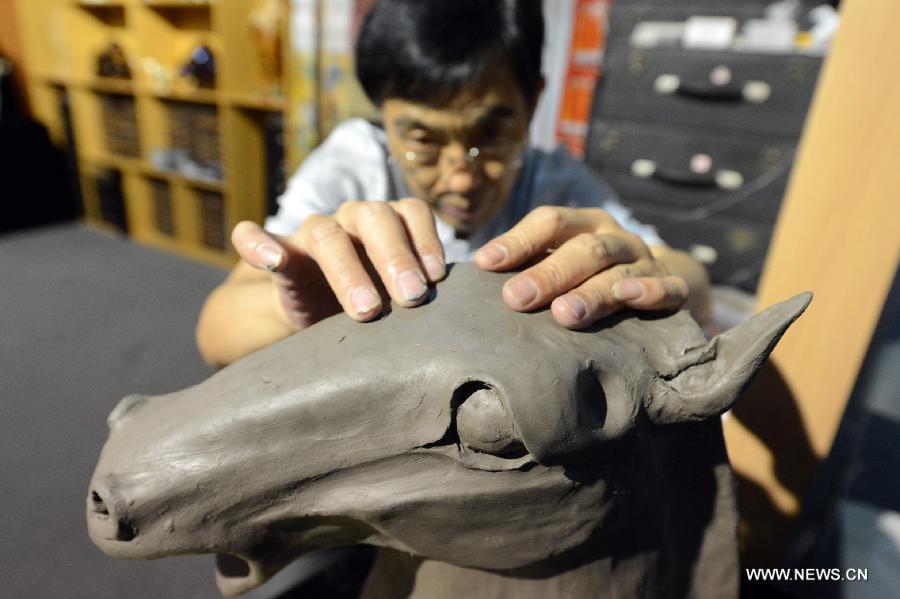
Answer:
[(691, 170), (732, 249), (721, 90)]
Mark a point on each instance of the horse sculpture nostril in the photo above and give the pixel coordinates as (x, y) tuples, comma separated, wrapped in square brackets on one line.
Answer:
[(98, 504), (232, 566), (126, 531)]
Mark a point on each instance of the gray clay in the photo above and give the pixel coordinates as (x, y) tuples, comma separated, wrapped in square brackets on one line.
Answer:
[(496, 453)]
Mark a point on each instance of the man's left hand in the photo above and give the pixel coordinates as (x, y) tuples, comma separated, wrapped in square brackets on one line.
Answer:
[(591, 267)]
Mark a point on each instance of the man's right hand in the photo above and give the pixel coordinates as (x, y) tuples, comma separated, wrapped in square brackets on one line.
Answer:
[(346, 260)]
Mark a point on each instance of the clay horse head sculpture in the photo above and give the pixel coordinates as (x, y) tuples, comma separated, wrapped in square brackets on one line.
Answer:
[(497, 443)]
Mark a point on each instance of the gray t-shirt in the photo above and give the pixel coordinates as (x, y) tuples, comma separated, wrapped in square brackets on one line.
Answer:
[(353, 164)]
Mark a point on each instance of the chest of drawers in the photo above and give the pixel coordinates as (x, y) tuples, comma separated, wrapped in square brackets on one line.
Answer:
[(700, 143)]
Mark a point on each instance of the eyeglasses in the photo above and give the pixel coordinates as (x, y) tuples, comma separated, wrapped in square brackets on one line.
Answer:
[(494, 159)]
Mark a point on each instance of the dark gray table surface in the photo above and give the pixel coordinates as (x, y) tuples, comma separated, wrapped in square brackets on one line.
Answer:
[(85, 319)]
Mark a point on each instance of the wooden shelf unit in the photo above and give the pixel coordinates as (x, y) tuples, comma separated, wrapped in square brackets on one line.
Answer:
[(63, 39)]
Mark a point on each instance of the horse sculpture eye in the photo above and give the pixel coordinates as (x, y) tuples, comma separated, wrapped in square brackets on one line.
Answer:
[(483, 424)]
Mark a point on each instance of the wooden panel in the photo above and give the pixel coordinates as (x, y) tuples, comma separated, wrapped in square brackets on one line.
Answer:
[(245, 164), (11, 45), (838, 235)]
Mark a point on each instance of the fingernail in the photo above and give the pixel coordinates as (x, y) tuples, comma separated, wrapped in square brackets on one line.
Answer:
[(363, 300), (411, 285), (575, 305), (269, 256), (493, 253), (434, 266), (627, 290), (523, 290)]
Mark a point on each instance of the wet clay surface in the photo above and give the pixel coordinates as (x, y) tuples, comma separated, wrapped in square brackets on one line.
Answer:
[(499, 447)]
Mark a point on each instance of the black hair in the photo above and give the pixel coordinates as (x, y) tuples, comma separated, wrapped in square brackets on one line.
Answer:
[(429, 50)]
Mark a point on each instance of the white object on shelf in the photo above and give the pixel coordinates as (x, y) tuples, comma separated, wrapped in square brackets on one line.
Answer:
[(767, 36), (826, 20), (709, 33), (653, 34)]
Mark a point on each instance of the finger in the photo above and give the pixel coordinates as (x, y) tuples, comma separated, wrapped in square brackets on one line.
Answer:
[(258, 248), (282, 256), (418, 220), (295, 274), (383, 235), (652, 293), (332, 249), (544, 228), (594, 299), (574, 262)]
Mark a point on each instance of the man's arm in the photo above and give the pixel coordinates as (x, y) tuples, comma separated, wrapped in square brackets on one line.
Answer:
[(241, 316)]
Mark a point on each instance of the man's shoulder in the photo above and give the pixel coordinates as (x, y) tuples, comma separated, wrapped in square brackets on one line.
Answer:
[(554, 161), (356, 136), (554, 175), (353, 156), (348, 165)]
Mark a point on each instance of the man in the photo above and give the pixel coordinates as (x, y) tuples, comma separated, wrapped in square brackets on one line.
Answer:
[(381, 210)]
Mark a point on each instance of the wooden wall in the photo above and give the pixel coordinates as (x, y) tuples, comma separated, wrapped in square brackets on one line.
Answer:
[(838, 235)]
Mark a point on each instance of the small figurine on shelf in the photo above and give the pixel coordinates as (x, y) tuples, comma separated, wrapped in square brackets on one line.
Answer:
[(113, 63), (266, 22), (201, 68)]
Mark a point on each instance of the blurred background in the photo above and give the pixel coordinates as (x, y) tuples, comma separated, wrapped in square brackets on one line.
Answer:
[(762, 137)]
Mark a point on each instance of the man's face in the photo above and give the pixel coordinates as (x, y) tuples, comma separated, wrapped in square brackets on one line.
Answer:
[(462, 157)]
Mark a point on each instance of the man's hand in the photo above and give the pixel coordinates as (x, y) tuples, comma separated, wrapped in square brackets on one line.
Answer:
[(344, 261), (595, 267)]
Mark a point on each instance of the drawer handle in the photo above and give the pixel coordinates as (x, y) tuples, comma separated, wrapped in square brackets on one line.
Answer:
[(724, 179), (755, 92)]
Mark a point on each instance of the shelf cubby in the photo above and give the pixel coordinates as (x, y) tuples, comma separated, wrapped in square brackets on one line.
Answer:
[(118, 114), (105, 188), (163, 206), (110, 14), (195, 16), (169, 33), (213, 222)]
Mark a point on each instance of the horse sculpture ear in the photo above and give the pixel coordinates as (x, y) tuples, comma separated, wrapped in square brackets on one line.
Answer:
[(707, 380)]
